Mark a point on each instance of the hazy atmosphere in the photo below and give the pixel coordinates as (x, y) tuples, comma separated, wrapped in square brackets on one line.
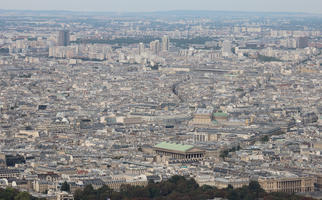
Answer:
[(314, 6), (161, 100)]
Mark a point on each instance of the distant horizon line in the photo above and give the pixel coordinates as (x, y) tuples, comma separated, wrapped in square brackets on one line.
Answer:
[(158, 11)]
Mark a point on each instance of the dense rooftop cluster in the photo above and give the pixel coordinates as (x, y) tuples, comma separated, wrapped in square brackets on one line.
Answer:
[(129, 100)]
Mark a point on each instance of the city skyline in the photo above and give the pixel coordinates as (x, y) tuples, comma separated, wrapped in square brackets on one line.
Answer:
[(310, 6)]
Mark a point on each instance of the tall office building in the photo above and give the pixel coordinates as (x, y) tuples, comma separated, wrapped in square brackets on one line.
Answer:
[(165, 43), (141, 48), (63, 38), (155, 47), (302, 42), (226, 48)]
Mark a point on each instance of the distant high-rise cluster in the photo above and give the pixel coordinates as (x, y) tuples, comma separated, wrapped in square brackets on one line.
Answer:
[(155, 46), (63, 38)]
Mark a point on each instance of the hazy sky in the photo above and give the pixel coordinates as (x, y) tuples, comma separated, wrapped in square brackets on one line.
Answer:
[(314, 6)]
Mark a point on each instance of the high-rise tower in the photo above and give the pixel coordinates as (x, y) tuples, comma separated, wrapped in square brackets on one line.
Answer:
[(63, 38), (141, 48), (226, 48), (302, 42), (165, 43), (155, 47)]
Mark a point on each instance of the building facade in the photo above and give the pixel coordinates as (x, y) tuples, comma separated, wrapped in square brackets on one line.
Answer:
[(63, 38), (288, 185), (179, 152)]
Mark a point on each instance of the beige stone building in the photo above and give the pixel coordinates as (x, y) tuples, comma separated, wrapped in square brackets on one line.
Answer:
[(205, 137), (202, 116), (179, 152), (235, 182), (65, 196), (288, 185)]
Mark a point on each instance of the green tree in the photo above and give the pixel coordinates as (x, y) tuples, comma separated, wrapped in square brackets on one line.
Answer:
[(233, 195), (265, 138), (255, 188), (65, 187), (78, 194), (230, 187), (23, 196), (154, 190), (104, 192), (224, 154), (8, 193)]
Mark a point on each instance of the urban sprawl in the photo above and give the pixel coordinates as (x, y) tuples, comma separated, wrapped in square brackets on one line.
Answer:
[(113, 99)]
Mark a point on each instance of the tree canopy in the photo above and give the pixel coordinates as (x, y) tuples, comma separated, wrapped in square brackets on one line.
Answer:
[(65, 187), (13, 194)]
